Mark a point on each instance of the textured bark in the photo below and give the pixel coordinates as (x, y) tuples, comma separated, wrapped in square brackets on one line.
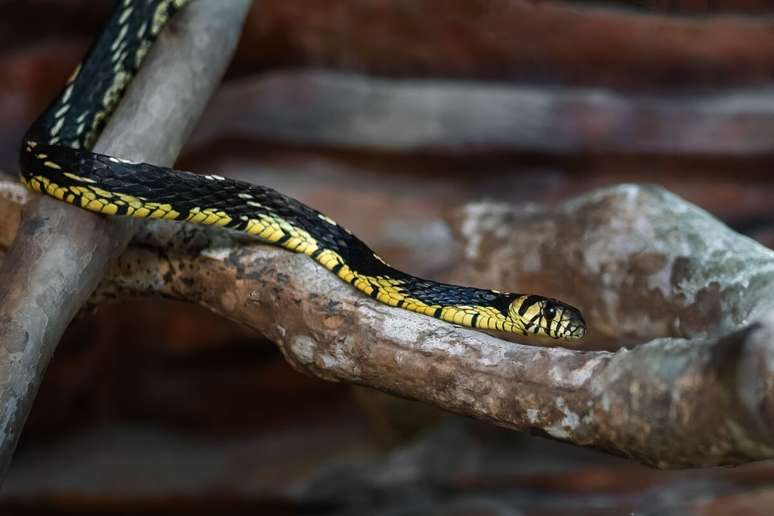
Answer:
[(344, 110), (61, 252), (642, 264)]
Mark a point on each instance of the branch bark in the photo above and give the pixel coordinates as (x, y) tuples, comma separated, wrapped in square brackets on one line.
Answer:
[(643, 264), (60, 252)]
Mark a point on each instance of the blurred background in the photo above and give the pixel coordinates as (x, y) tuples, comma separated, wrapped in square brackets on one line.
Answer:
[(388, 115)]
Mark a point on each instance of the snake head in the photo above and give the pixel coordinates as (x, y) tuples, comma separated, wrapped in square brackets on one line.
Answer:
[(546, 317)]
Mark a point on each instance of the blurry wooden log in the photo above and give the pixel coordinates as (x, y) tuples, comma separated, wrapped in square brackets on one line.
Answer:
[(61, 252), (685, 6), (591, 43), (715, 62), (550, 42), (354, 111)]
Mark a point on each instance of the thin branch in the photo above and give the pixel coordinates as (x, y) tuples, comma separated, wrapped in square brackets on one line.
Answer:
[(61, 252), (699, 393)]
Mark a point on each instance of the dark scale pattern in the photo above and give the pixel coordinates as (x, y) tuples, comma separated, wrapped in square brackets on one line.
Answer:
[(109, 58), (185, 191)]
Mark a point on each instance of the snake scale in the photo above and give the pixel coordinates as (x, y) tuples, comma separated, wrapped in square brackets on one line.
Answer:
[(56, 159)]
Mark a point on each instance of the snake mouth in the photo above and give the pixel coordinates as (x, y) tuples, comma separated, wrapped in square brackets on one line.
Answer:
[(573, 328), (574, 332)]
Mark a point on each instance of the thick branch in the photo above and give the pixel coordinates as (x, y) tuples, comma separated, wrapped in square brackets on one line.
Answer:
[(642, 263), (60, 252)]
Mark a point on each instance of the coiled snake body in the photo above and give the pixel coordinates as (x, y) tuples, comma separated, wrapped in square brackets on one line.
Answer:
[(56, 160)]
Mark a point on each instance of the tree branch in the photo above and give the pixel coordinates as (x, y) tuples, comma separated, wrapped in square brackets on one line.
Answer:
[(61, 252), (698, 393)]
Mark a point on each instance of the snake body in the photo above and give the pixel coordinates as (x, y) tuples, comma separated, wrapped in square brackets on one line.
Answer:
[(56, 159)]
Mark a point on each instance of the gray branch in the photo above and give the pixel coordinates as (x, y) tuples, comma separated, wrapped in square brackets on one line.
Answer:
[(646, 267), (60, 252)]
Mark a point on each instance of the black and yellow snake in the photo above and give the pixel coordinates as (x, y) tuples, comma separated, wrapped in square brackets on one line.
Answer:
[(56, 160)]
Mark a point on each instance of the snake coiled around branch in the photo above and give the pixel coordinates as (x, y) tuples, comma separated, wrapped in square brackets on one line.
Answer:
[(56, 160)]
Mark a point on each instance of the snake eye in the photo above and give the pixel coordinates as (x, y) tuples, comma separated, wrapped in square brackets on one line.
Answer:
[(550, 312)]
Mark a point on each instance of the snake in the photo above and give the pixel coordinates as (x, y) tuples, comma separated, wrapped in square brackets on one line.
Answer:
[(56, 159)]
